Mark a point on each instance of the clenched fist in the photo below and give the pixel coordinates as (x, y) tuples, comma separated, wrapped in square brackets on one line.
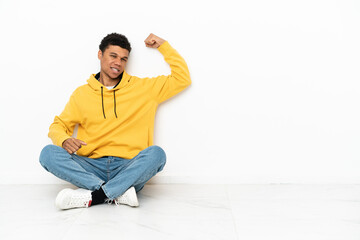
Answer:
[(71, 145), (153, 41)]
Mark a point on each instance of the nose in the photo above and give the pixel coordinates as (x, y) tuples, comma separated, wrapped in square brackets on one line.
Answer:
[(118, 62)]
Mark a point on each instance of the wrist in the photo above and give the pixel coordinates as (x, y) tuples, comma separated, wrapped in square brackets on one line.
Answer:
[(161, 42)]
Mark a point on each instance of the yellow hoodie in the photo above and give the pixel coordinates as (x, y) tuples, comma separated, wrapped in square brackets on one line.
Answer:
[(119, 122)]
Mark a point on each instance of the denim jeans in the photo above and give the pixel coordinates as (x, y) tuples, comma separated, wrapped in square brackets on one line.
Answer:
[(115, 175)]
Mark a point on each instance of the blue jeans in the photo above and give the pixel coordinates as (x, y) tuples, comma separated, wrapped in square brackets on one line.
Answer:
[(115, 175)]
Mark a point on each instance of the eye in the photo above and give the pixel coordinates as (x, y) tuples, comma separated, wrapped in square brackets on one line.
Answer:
[(124, 59)]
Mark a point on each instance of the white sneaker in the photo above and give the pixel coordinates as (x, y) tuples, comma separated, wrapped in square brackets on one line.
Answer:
[(69, 198), (128, 198)]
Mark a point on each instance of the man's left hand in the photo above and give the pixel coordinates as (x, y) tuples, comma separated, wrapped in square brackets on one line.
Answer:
[(153, 41)]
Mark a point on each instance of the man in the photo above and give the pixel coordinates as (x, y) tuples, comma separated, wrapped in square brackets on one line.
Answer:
[(113, 155)]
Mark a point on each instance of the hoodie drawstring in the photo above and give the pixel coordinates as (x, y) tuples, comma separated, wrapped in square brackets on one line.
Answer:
[(102, 101), (115, 105)]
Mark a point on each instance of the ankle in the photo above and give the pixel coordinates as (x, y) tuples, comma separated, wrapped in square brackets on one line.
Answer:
[(98, 196)]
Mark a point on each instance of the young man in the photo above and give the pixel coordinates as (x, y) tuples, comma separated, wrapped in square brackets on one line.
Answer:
[(113, 155)]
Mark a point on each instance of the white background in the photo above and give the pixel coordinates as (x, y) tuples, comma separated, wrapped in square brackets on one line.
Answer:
[(275, 94)]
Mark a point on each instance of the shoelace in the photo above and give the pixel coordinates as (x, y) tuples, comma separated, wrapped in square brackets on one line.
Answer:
[(117, 202), (109, 201)]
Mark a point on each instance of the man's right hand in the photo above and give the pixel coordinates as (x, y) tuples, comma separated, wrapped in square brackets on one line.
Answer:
[(71, 145)]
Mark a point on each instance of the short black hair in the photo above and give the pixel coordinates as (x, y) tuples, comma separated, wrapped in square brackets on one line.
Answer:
[(115, 39)]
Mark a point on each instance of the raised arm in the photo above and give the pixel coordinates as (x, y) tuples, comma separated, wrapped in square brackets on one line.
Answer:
[(164, 87)]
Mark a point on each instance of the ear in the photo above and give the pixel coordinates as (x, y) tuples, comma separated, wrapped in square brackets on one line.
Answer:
[(99, 54)]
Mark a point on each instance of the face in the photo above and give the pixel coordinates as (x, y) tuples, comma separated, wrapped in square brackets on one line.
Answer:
[(113, 61)]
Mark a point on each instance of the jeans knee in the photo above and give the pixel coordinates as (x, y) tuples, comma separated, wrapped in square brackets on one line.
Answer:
[(159, 154), (46, 154)]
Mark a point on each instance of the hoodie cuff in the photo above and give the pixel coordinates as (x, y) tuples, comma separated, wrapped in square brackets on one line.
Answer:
[(60, 140)]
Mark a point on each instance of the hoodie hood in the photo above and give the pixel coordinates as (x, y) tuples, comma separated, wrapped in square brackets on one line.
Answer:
[(96, 85)]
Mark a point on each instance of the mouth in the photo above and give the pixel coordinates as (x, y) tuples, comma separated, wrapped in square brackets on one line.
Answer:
[(115, 70)]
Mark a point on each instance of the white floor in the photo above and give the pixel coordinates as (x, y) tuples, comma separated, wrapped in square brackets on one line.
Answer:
[(184, 212)]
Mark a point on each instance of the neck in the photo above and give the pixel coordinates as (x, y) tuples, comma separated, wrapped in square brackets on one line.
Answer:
[(106, 81)]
